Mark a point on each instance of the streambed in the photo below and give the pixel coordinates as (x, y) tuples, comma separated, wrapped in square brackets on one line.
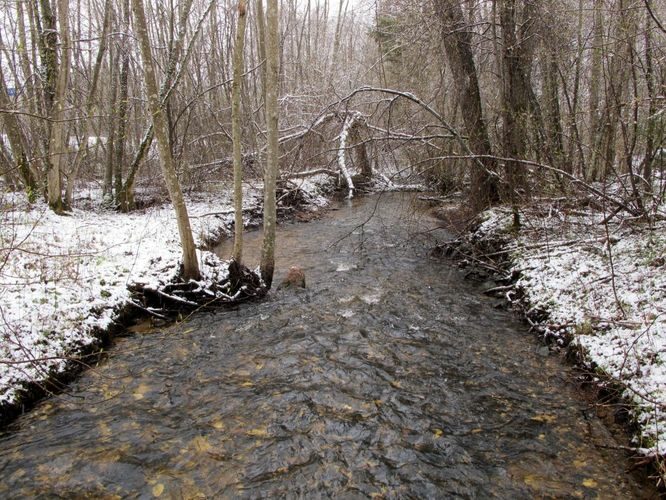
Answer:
[(388, 376)]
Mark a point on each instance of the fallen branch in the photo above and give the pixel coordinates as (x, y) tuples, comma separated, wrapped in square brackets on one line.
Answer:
[(311, 173), (148, 310)]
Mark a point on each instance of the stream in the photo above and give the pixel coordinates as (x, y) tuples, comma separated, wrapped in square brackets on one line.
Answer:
[(389, 376)]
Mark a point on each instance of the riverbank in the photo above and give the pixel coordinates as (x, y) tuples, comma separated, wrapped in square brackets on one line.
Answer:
[(592, 285), (66, 280)]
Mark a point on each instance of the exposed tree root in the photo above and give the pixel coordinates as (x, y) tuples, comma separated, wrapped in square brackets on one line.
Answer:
[(179, 297)]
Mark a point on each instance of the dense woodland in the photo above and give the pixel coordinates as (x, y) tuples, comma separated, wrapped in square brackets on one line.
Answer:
[(505, 99)]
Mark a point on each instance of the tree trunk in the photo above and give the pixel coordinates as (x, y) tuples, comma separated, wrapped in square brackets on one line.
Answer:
[(121, 118), (236, 132), (516, 98), (57, 137), (650, 133), (107, 189), (267, 265), (190, 263), (595, 83), (458, 45)]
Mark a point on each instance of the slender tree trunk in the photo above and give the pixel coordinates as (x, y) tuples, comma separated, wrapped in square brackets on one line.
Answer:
[(595, 83), (575, 145), (122, 110), (516, 98), (48, 41), (57, 138), (261, 34), (190, 263), (236, 132), (107, 190), (121, 134), (267, 265), (650, 133)]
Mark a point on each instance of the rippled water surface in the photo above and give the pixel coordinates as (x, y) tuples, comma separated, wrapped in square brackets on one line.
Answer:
[(389, 376)]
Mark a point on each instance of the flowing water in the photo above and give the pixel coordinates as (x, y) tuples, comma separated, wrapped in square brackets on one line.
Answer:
[(389, 376)]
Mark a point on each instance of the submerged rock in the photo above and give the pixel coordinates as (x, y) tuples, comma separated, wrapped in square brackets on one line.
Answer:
[(295, 279)]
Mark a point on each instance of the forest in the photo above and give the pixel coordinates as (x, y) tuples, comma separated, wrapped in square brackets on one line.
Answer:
[(506, 99), (137, 137)]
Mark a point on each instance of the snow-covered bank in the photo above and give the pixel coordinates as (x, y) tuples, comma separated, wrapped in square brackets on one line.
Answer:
[(64, 279), (599, 288)]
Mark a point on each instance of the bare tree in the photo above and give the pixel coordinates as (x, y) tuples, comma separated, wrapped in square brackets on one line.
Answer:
[(457, 39), (57, 137), (236, 132), (267, 265), (190, 263)]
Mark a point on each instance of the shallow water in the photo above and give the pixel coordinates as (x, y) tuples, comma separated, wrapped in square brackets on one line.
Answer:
[(388, 376)]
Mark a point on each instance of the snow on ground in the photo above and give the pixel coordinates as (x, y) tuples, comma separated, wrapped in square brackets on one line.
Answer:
[(606, 292), (63, 279)]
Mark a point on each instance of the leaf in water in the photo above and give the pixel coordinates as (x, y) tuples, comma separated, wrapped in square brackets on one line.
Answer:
[(438, 433), (104, 429), (259, 432), (379, 494), (247, 383), (218, 424), (589, 483), (140, 391), (532, 480), (544, 418), (158, 489), (200, 444)]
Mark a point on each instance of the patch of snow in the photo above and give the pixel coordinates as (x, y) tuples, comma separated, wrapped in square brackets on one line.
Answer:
[(64, 279), (372, 298), (344, 267), (346, 313)]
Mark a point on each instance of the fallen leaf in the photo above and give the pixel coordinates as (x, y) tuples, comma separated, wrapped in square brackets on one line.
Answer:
[(158, 489), (140, 391), (201, 444), (544, 418), (589, 483), (259, 432)]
